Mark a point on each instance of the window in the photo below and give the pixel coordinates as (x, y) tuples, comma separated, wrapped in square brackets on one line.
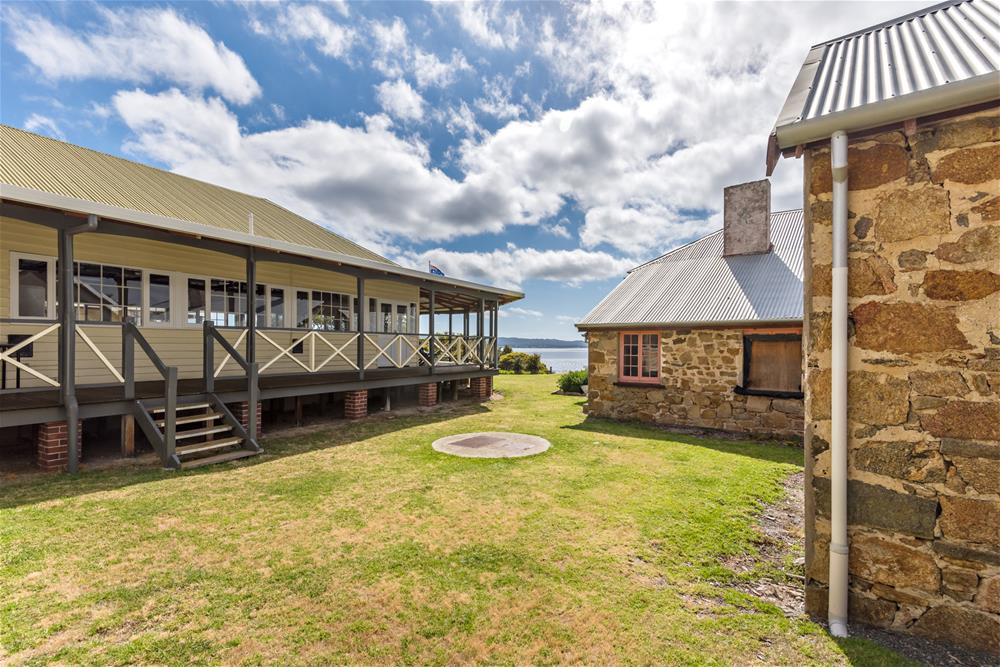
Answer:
[(229, 303), (772, 364), (277, 307), (107, 293), (196, 301), (33, 281), (260, 305), (640, 357), (331, 311), (159, 298), (301, 309)]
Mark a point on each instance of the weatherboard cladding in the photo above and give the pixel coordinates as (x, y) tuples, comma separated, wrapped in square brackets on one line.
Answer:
[(941, 45), (695, 284), (31, 161)]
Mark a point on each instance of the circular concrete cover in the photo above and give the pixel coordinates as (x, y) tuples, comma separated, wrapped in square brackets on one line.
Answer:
[(491, 445)]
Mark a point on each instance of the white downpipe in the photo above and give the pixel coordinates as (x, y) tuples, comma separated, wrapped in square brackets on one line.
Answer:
[(837, 603)]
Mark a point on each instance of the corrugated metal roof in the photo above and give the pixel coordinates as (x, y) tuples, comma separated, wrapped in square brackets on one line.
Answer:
[(32, 161), (948, 45), (696, 284)]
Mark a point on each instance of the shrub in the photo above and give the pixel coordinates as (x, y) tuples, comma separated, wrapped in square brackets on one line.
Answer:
[(572, 382), (522, 362), (506, 349)]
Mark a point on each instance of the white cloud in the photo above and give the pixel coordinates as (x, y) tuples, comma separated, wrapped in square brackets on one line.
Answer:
[(395, 56), (307, 23), (559, 229), (489, 23), (521, 312), (43, 125), (512, 266), (399, 99), (568, 319), (496, 100), (136, 46)]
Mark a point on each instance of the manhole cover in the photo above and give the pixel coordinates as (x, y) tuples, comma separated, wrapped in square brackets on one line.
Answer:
[(491, 445)]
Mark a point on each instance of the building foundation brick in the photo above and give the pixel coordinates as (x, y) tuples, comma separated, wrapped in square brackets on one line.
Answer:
[(482, 388), (242, 412), (52, 446), (427, 394), (356, 404)]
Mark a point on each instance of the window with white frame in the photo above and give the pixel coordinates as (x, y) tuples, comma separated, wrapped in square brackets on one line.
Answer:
[(33, 286), (159, 298), (107, 293)]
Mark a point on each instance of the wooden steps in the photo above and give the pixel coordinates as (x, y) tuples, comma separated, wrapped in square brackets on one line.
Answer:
[(218, 458), (203, 436)]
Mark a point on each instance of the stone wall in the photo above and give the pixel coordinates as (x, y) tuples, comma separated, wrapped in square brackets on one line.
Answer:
[(699, 370), (924, 379)]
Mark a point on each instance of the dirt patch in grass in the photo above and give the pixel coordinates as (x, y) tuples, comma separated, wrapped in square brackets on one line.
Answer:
[(780, 561)]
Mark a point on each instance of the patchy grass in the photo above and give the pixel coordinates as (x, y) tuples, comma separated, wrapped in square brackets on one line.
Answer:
[(359, 544)]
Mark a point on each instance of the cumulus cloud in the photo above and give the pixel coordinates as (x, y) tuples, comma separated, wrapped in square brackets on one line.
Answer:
[(394, 56), (136, 46), (399, 99), (43, 125), (308, 23), (512, 266)]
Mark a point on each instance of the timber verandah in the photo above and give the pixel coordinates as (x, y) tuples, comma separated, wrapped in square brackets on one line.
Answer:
[(246, 363)]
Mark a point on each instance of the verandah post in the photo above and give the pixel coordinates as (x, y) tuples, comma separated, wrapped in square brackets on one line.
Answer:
[(251, 350), (481, 331), (207, 357), (67, 345), (362, 314), (430, 328)]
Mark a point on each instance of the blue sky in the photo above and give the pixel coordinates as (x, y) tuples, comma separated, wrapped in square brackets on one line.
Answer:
[(544, 146)]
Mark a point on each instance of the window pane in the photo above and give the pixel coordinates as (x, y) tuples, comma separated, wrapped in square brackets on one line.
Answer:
[(372, 315), (159, 298), (630, 355), (260, 306), (196, 301), (277, 307), (650, 356), (386, 318), (32, 288), (302, 309), (775, 365)]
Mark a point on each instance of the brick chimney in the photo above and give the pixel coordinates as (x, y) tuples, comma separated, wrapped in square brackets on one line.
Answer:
[(747, 218)]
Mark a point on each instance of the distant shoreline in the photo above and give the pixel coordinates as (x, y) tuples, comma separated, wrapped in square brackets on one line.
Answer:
[(542, 343)]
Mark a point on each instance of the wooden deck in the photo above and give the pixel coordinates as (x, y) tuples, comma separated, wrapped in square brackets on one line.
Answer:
[(37, 401)]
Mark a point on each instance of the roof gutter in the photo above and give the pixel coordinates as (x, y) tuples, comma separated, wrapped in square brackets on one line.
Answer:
[(64, 203), (964, 93), (604, 326)]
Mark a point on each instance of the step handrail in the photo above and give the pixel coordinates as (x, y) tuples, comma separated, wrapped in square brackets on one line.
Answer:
[(210, 336), (166, 442)]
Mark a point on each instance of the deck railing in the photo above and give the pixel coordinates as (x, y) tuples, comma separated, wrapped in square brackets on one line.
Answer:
[(33, 355), (165, 441)]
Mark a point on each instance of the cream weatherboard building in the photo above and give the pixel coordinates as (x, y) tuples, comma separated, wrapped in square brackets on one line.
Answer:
[(899, 129), (164, 332), (709, 335)]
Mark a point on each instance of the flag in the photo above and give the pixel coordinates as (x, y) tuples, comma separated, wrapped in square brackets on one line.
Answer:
[(434, 270)]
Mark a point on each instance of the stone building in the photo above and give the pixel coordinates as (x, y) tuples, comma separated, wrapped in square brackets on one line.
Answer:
[(708, 335), (920, 220)]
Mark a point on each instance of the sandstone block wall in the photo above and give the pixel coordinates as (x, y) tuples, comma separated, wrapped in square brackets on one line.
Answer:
[(924, 379), (699, 370)]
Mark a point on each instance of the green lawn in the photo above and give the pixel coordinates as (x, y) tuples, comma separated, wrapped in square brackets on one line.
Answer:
[(359, 544)]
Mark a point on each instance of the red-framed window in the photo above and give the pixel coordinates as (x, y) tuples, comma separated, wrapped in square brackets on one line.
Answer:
[(639, 357)]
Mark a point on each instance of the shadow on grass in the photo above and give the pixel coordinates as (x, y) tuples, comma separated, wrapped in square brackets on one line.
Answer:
[(767, 450), (37, 487)]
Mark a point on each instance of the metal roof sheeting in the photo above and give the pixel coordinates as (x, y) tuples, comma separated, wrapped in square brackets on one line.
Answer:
[(947, 45), (35, 162), (696, 284)]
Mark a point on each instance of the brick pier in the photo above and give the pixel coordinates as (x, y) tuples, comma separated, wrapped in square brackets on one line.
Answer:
[(52, 446), (356, 404)]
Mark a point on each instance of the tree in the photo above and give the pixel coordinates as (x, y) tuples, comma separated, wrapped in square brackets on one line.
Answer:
[(506, 349)]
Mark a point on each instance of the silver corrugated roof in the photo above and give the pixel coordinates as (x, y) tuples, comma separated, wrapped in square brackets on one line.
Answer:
[(940, 58), (696, 284)]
